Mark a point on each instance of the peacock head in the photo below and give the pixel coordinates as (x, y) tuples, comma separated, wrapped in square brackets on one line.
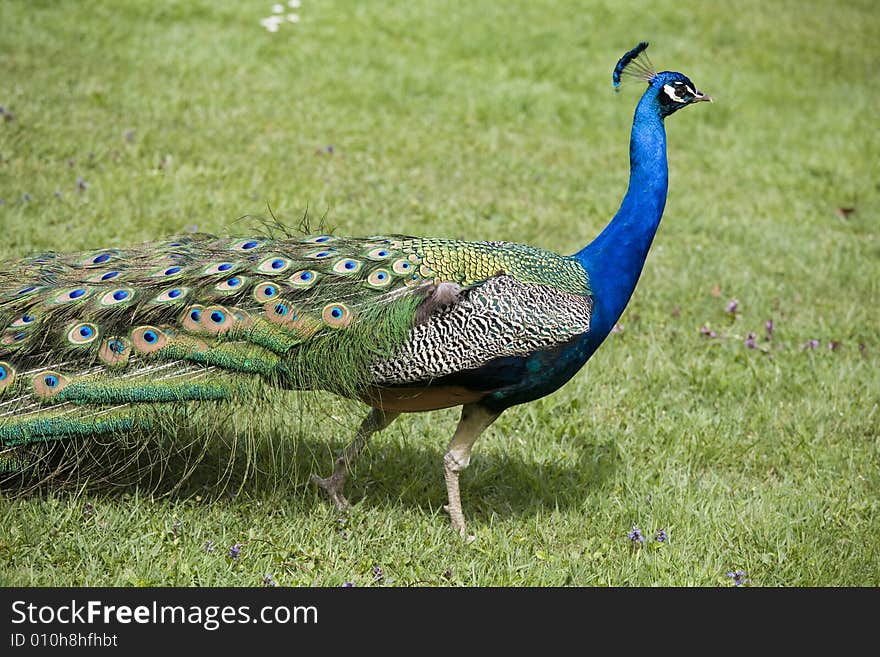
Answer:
[(670, 90)]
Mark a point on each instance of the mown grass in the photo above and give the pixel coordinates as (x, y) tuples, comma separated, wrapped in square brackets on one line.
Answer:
[(486, 120)]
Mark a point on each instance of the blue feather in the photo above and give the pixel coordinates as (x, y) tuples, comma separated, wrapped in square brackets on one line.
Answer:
[(626, 60)]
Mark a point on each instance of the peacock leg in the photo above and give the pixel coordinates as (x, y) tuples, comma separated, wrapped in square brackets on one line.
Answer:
[(474, 420), (335, 483)]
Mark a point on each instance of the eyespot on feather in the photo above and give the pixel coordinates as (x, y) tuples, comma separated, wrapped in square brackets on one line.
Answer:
[(25, 292), (231, 284), (192, 318), (245, 245), (318, 239), (122, 295), (47, 384), (304, 278), (68, 296), (402, 267), (7, 375), (147, 339), (219, 268), (172, 271), (96, 259), (14, 339), (82, 333), (217, 319), (103, 276), (26, 319), (274, 265), (379, 253), (347, 266), (277, 311), (380, 278), (115, 351), (266, 291), (412, 281), (172, 295), (320, 254), (173, 245), (336, 315)]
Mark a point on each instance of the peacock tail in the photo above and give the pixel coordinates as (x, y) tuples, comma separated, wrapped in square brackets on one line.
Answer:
[(112, 340)]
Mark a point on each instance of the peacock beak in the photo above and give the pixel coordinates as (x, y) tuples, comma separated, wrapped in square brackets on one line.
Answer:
[(700, 96)]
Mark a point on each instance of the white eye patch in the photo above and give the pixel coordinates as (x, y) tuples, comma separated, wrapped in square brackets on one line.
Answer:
[(670, 91)]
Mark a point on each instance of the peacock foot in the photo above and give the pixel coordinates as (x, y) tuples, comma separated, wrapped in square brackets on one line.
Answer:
[(458, 524), (333, 487)]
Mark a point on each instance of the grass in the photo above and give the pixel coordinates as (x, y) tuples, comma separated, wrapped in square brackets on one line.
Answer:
[(486, 120)]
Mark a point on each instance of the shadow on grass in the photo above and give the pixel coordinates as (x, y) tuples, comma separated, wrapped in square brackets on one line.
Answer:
[(494, 484), (388, 474)]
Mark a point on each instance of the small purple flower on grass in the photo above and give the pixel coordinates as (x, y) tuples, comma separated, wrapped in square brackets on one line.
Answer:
[(660, 536), (750, 341), (739, 577), (209, 547), (235, 551), (347, 585), (732, 305), (706, 331), (768, 326), (268, 581), (81, 184), (635, 536), (810, 344), (833, 345), (88, 509), (617, 328), (378, 573)]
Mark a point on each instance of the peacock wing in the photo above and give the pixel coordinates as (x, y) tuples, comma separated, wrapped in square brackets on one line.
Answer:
[(498, 318)]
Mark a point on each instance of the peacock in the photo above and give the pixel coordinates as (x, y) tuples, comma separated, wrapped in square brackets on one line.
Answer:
[(105, 342)]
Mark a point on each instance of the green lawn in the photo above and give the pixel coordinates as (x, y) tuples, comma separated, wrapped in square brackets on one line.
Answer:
[(129, 121)]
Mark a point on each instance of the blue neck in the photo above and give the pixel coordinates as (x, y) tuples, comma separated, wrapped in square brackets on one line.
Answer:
[(615, 258)]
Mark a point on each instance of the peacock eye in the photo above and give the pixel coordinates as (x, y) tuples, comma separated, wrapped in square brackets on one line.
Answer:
[(675, 91)]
